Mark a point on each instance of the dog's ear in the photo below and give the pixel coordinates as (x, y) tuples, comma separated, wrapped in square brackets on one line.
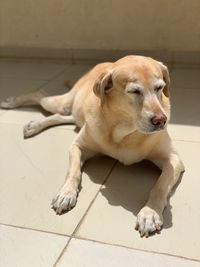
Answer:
[(166, 78), (103, 85)]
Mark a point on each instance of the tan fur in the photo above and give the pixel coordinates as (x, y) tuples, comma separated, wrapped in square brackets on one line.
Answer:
[(114, 104)]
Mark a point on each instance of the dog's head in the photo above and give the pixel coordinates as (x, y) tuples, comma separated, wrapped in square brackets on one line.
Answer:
[(139, 88)]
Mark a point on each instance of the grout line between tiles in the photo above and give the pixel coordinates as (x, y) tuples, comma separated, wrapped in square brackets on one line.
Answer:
[(137, 249), (84, 215), (99, 242), (186, 141), (33, 229)]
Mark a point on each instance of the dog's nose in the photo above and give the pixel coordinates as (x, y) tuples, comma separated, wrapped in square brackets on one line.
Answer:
[(159, 119)]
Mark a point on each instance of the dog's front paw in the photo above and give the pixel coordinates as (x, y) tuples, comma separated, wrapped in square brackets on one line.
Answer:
[(9, 103), (148, 221), (32, 128), (64, 201)]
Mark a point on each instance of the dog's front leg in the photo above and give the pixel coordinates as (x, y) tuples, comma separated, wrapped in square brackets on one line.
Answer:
[(150, 219), (66, 198)]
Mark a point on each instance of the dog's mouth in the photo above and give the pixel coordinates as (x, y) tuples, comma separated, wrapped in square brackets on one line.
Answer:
[(150, 129), (158, 128)]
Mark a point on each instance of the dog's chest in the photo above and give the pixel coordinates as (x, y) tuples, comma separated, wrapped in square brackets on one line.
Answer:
[(129, 156), (130, 150)]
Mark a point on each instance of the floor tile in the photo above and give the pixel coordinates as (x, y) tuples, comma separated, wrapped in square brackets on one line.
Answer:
[(112, 217), (185, 78), (31, 173), (74, 72), (22, 70), (184, 132), (20, 247), (86, 253)]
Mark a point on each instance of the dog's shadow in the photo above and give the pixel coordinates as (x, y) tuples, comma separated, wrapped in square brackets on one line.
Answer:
[(129, 186)]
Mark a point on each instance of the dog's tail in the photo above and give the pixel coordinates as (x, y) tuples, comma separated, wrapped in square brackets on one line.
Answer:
[(69, 83)]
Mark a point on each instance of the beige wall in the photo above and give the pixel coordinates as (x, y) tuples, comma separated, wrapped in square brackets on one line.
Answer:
[(101, 24)]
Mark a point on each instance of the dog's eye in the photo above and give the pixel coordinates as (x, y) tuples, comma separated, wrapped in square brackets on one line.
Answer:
[(158, 88), (135, 91)]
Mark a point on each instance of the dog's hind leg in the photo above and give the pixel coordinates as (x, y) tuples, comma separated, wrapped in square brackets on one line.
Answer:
[(54, 104), (34, 127)]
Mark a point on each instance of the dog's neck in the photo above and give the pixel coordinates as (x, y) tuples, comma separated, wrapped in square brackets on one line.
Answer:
[(117, 127)]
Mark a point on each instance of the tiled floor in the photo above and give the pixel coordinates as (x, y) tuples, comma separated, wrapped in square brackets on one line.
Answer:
[(99, 231)]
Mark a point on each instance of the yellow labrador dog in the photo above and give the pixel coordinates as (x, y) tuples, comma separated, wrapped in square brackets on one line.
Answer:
[(122, 109)]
